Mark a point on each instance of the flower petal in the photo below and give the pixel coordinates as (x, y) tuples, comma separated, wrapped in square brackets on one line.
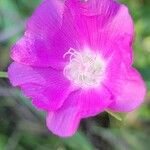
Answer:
[(92, 101), (123, 82), (79, 104), (94, 23), (46, 18), (98, 24), (46, 87), (129, 91), (64, 122), (34, 47)]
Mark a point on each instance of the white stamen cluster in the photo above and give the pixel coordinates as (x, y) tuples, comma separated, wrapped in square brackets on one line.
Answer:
[(85, 69)]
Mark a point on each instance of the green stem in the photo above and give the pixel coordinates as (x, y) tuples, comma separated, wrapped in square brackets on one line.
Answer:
[(3, 74), (115, 115)]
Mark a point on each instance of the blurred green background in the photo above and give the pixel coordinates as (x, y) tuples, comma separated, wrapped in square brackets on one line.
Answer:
[(23, 128)]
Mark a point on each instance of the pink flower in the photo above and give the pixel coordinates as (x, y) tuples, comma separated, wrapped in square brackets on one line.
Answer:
[(75, 61)]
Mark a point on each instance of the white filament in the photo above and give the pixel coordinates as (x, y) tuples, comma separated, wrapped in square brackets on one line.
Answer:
[(85, 69)]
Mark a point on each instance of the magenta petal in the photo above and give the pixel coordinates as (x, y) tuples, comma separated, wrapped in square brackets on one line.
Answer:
[(121, 33), (79, 104), (98, 22), (123, 82), (118, 28), (63, 122), (46, 18), (81, 24), (33, 49), (129, 91), (91, 102), (46, 87)]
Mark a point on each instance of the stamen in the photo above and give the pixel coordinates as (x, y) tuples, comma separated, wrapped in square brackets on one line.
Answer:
[(85, 69)]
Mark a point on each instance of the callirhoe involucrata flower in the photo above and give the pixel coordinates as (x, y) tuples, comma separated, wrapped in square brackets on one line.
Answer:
[(75, 61)]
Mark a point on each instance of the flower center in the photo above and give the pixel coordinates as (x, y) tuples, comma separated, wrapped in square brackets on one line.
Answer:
[(85, 69)]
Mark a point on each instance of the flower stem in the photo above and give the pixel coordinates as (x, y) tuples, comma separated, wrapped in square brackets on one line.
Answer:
[(3, 74), (115, 115)]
